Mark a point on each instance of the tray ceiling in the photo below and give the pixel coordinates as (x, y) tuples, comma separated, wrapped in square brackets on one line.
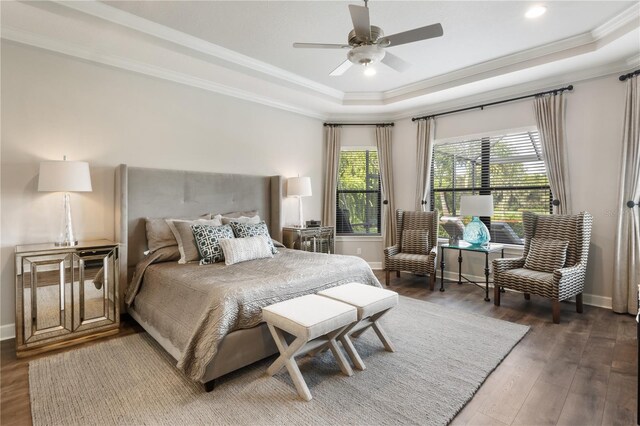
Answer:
[(239, 48)]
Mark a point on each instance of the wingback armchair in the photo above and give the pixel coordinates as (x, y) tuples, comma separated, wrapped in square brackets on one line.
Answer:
[(416, 245), (554, 262)]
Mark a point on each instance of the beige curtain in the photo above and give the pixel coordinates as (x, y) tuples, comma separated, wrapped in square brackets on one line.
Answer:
[(332, 161), (626, 272), (426, 130), (383, 142), (549, 111)]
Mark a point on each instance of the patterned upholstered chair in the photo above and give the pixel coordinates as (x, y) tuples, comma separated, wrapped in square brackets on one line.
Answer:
[(535, 272), (416, 246)]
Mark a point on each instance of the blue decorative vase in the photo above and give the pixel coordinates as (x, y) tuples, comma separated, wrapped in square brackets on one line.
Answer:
[(476, 233)]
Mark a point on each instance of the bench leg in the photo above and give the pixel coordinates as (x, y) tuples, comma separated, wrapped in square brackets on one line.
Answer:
[(353, 354), (339, 356), (375, 324), (286, 359), (351, 350), (388, 346)]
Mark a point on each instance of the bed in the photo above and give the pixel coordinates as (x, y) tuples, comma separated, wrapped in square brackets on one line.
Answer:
[(209, 317)]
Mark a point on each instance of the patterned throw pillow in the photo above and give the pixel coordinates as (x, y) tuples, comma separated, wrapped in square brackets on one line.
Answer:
[(415, 241), (244, 230), (184, 236), (238, 250), (208, 241), (546, 255)]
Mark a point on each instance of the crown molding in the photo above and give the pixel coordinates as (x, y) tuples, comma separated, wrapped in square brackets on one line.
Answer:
[(628, 17), (47, 43), (626, 21), (126, 19), (612, 69), (615, 27), (305, 100)]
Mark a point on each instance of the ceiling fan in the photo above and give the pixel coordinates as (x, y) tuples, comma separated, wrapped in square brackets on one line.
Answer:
[(367, 43)]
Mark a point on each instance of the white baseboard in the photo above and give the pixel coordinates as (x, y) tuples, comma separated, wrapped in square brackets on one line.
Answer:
[(595, 300), (7, 331), (376, 266), (587, 299)]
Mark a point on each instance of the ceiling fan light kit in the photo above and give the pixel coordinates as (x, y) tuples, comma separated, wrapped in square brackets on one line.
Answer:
[(366, 54), (368, 44)]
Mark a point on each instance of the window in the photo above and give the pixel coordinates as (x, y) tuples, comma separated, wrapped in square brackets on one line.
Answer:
[(510, 167), (358, 197)]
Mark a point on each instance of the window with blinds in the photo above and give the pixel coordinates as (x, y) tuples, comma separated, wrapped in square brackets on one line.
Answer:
[(509, 167), (358, 199)]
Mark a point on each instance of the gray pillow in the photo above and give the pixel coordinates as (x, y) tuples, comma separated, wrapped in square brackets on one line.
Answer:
[(248, 213), (159, 233), (244, 230), (241, 219), (546, 255), (238, 250), (208, 241), (184, 236), (415, 241)]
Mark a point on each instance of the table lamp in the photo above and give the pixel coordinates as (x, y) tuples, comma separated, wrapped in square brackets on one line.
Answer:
[(65, 176), (299, 187), (476, 232)]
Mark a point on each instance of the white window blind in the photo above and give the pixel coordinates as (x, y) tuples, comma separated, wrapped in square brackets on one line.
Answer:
[(509, 167)]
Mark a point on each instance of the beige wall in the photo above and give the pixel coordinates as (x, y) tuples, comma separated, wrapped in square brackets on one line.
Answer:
[(54, 105), (594, 131)]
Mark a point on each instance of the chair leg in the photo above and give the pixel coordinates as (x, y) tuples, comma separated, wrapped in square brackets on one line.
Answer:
[(432, 280), (556, 311), (579, 303), (398, 274), (387, 277), (527, 296), (496, 294)]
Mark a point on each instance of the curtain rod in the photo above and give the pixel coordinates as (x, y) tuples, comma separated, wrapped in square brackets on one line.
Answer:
[(554, 91), (359, 124), (623, 77)]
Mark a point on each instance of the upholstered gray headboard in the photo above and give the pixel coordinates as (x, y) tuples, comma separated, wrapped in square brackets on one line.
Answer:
[(142, 192)]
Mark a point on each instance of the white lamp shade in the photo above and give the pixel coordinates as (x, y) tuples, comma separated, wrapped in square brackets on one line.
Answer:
[(476, 205), (299, 187), (64, 176)]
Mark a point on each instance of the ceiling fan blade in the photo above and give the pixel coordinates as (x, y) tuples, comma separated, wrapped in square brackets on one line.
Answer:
[(360, 18), (417, 34), (395, 62), (341, 68), (320, 46)]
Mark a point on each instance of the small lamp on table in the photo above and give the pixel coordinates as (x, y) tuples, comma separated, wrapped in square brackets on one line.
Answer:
[(65, 176), (299, 187), (476, 232)]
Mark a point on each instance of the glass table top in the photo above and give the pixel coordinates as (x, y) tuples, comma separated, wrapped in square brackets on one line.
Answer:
[(463, 245)]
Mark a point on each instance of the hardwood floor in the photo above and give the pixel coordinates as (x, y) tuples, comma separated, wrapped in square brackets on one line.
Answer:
[(580, 372)]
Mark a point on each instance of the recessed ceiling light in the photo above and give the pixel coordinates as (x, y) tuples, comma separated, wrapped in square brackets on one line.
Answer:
[(369, 71), (535, 12)]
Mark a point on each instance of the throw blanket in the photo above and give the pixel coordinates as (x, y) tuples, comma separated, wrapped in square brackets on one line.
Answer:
[(196, 306)]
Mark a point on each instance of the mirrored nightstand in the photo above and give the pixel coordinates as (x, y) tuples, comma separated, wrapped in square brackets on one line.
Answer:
[(65, 295)]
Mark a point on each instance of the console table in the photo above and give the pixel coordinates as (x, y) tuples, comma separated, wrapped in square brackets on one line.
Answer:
[(464, 246)]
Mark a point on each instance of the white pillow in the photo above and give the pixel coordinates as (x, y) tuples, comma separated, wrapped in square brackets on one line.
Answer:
[(241, 219), (238, 250)]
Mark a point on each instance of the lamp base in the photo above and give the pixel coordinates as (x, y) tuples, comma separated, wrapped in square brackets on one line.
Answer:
[(476, 233), (66, 243), (66, 238)]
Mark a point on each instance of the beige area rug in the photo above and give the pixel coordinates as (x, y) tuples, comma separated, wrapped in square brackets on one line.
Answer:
[(442, 358)]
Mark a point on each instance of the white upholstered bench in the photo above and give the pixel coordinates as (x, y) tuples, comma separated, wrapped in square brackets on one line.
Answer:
[(315, 322), (372, 303)]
